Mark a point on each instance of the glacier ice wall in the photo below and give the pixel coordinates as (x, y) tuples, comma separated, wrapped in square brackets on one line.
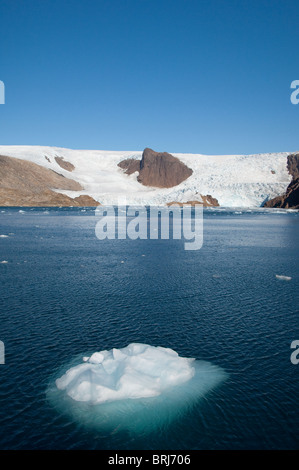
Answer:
[(235, 180)]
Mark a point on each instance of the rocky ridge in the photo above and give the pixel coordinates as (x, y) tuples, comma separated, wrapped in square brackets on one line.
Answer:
[(24, 183), (157, 169), (289, 200)]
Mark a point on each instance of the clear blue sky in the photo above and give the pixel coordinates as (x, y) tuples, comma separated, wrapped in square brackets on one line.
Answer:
[(176, 75)]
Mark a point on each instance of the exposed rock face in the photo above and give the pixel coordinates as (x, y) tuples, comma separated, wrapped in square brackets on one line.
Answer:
[(160, 170), (64, 164), (86, 201), (289, 200), (207, 201), (130, 165), (24, 183), (293, 165)]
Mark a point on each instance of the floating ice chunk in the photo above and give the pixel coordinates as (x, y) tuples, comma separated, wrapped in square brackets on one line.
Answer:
[(96, 358), (3, 236), (283, 278), (137, 371), (138, 388), (3, 262)]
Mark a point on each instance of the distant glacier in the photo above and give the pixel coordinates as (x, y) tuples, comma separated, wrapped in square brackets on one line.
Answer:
[(234, 180)]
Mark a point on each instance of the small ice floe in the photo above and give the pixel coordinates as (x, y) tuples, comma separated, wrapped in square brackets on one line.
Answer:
[(3, 236), (142, 255), (3, 262), (139, 388), (122, 262), (136, 371), (21, 212), (283, 278)]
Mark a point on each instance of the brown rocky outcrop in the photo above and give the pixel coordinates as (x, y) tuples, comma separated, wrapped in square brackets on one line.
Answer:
[(289, 200), (24, 183), (85, 200), (293, 165), (130, 165), (156, 169), (64, 164), (207, 201)]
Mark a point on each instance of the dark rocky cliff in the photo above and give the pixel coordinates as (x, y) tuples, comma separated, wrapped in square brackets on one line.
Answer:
[(289, 200), (160, 170)]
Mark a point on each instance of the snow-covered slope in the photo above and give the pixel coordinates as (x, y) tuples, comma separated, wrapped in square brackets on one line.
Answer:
[(235, 180)]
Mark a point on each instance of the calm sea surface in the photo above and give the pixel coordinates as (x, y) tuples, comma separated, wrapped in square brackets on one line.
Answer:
[(64, 294)]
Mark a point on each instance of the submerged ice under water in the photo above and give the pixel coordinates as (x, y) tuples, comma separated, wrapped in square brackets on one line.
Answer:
[(136, 387)]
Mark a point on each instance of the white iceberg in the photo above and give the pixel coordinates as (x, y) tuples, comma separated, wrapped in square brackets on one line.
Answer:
[(283, 278), (137, 371), (138, 388)]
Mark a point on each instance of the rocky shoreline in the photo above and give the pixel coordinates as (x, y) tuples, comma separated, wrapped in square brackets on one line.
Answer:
[(289, 200)]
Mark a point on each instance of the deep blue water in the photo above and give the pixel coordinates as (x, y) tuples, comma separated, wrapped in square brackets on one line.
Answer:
[(65, 293)]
